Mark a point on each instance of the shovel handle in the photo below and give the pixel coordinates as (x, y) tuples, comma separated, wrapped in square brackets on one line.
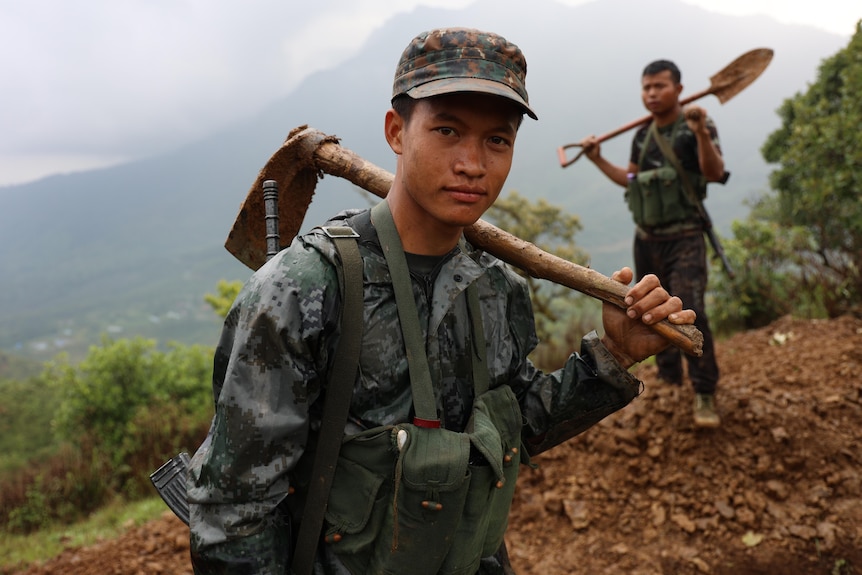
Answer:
[(564, 160), (561, 151)]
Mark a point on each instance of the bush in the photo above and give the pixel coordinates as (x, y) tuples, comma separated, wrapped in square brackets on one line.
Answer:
[(63, 487), (103, 397), (121, 412), (25, 421), (773, 276)]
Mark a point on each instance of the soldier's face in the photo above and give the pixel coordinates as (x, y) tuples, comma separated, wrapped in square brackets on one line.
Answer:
[(454, 155), (659, 92)]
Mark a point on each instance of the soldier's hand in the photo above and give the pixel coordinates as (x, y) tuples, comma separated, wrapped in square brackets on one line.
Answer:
[(592, 147), (627, 333), (695, 117)]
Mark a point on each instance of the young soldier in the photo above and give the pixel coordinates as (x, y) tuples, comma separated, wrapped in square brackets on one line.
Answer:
[(669, 231), (430, 455)]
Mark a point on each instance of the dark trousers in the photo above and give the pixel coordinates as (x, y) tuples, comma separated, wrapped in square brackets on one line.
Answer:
[(680, 264)]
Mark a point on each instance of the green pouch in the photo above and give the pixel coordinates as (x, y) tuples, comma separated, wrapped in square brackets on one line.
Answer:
[(405, 499), (661, 196), (634, 199), (432, 481), (361, 491), (397, 498), (495, 431)]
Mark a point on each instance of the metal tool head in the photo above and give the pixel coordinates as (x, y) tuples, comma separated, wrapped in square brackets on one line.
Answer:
[(293, 167), (739, 74)]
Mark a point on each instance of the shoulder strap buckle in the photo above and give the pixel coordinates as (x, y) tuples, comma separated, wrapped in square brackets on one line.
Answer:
[(339, 232)]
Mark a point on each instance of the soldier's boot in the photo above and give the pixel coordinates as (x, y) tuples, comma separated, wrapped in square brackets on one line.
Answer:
[(704, 411)]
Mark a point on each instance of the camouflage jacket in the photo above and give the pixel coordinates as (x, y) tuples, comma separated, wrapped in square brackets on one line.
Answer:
[(271, 364)]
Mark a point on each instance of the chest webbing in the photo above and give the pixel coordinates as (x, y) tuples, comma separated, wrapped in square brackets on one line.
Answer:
[(421, 385)]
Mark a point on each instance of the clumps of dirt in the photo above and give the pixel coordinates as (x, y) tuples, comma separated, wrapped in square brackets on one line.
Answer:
[(158, 547), (777, 489)]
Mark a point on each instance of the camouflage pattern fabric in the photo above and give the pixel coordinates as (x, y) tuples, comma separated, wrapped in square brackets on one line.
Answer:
[(271, 365), (681, 266), (462, 59)]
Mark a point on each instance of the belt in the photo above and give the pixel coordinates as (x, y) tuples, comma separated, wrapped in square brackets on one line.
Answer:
[(670, 231)]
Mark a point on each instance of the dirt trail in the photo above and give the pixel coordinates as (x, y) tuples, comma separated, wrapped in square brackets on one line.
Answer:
[(776, 490)]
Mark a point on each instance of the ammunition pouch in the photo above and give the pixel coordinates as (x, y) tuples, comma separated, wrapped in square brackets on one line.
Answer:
[(657, 197), (409, 499)]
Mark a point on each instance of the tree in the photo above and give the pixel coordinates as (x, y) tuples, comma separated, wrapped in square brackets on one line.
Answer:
[(25, 421), (819, 182), (126, 396), (800, 250), (226, 292), (561, 315), (116, 416)]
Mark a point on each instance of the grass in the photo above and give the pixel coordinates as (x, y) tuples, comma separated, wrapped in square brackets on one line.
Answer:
[(106, 523)]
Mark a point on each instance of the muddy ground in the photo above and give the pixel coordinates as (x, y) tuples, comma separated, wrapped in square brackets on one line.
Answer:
[(777, 489)]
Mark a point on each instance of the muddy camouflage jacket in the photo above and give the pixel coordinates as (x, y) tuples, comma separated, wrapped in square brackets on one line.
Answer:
[(272, 362)]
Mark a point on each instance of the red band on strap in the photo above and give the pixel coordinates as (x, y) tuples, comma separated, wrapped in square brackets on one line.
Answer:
[(429, 423)]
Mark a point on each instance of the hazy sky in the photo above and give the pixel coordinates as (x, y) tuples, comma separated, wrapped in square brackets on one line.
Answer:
[(95, 82)]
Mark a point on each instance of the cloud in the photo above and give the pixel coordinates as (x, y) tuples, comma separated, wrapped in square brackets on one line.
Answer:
[(125, 76), (104, 80)]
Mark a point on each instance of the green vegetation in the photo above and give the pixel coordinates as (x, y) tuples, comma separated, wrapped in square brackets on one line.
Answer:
[(800, 249), (104, 425), (25, 421), (126, 391), (115, 517), (221, 301)]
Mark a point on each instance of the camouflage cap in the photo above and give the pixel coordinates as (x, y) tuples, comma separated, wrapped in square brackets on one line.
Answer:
[(462, 60)]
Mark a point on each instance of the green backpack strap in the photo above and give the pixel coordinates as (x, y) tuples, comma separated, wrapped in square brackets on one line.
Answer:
[(336, 407), (421, 384), (417, 360)]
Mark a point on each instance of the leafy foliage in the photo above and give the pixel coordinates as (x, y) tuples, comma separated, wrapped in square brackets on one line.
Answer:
[(116, 416), (226, 292), (551, 229), (25, 421), (819, 183), (800, 249), (103, 397), (768, 283)]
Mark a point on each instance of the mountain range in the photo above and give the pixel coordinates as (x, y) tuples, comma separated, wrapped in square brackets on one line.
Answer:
[(132, 249)]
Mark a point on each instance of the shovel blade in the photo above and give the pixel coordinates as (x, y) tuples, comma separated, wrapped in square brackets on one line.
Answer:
[(739, 74)]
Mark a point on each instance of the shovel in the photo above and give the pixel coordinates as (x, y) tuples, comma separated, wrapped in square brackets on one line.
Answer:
[(724, 85)]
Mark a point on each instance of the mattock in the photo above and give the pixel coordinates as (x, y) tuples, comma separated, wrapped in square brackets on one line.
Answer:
[(307, 154)]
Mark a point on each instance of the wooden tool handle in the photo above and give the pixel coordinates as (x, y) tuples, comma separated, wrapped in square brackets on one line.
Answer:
[(333, 159)]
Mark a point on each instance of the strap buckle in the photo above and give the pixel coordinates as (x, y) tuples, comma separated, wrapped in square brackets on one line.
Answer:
[(339, 231)]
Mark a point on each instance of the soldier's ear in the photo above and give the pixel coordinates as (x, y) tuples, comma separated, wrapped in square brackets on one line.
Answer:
[(393, 128)]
